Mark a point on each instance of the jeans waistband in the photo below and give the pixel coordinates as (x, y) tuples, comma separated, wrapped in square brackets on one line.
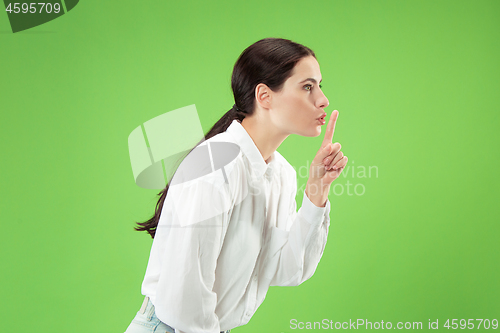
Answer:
[(145, 305)]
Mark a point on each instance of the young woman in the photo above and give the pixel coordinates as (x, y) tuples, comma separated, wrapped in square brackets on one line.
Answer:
[(222, 239)]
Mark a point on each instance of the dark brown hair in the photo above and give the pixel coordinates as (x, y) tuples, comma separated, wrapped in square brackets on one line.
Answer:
[(269, 61)]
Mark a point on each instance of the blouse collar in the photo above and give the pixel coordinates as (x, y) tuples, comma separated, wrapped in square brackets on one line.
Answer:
[(250, 150)]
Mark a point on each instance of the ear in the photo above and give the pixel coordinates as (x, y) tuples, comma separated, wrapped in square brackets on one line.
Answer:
[(263, 95)]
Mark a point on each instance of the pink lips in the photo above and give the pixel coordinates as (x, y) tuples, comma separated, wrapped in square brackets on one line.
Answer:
[(322, 120)]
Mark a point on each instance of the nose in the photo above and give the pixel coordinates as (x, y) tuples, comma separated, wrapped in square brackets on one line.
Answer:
[(322, 101)]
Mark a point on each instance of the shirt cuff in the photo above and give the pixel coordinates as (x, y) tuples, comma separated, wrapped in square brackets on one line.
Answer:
[(312, 213)]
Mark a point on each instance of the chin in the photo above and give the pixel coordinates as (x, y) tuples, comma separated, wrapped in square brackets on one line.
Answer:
[(317, 132), (312, 133)]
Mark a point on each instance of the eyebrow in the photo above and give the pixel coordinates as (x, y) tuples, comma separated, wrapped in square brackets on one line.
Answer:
[(310, 79)]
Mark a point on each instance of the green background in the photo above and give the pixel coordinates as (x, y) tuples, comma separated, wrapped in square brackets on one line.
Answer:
[(417, 87)]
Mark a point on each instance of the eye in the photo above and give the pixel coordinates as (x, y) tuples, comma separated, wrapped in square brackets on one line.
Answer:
[(310, 87)]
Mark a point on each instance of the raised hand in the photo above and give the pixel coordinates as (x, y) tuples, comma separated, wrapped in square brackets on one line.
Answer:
[(326, 165)]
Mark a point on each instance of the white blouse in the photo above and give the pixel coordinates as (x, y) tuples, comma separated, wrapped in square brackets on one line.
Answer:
[(225, 237)]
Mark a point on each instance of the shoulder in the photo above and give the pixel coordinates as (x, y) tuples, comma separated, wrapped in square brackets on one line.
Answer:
[(225, 153), (222, 137), (209, 162)]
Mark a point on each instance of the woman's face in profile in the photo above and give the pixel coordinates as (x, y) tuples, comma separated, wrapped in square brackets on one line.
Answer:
[(296, 109)]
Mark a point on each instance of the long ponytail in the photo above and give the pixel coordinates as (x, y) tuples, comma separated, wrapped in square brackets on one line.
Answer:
[(269, 61)]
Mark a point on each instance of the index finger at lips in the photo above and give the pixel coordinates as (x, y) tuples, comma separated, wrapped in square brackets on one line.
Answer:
[(330, 129)]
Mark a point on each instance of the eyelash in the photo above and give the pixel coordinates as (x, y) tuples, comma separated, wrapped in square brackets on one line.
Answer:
[(310, 85)]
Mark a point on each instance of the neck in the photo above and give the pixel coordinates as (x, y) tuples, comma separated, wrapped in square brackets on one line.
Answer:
[(265, 136)]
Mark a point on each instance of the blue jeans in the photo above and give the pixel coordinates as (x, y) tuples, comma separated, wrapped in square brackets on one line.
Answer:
[(145, 321)]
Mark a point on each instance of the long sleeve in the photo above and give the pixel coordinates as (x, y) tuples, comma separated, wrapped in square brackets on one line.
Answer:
[(225, 237), (196, 220), (301, 245)]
